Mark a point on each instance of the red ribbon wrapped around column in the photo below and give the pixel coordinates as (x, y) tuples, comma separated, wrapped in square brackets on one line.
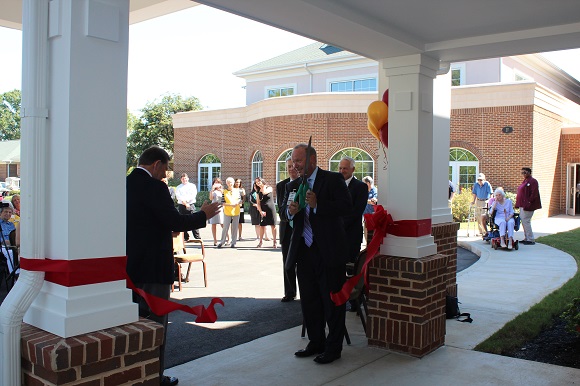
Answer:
[(382, 223), (71, 273)]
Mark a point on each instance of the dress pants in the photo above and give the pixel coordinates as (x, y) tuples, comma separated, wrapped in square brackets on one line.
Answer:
[(163, 291), (526, 217), (233, 221), (316, 280), (289, 274), (183, 210)]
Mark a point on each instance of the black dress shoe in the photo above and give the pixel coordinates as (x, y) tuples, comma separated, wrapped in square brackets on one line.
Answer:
[(169, 381), (308, 352), (286, 299), (327, 357)]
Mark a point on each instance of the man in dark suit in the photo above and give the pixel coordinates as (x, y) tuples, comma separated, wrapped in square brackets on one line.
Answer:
[(353, 223), (285, 233), (151, 219), (318, 246)]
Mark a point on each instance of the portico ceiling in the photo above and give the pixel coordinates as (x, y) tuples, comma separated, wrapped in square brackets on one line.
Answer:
[(449, 30)]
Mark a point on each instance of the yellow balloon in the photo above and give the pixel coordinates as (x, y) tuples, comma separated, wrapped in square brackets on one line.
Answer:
[(374, 131), (378, 113)]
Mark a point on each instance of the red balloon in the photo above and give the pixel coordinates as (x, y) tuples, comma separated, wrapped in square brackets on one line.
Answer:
[(384, 134), (386, 97)]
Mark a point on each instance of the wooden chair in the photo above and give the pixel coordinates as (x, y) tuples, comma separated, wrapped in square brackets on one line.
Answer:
[(182, 256)]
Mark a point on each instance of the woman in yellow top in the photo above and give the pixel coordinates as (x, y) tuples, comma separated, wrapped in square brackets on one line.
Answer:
[(231, 212)]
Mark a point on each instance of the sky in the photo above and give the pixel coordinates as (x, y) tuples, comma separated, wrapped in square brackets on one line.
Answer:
[(194, 53)]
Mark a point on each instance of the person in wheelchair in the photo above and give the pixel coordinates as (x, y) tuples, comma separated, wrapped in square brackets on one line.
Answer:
[(503, 213)]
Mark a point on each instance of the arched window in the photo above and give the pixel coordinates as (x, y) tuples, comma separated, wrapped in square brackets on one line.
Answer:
[(257, 165), (209, 167), (463, 167), (281, 173), (364, 163)]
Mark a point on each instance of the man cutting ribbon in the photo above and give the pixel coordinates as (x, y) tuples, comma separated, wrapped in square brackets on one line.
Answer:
[(318, 247)]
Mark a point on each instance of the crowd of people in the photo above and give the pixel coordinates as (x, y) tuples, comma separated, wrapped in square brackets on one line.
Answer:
[(321, 230)]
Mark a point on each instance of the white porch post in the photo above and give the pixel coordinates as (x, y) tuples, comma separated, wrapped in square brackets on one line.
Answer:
[(84, 190), (408, 193), (441, 212)]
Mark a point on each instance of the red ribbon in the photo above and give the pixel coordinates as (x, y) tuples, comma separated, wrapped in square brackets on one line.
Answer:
[(71, 273), (382, 223)]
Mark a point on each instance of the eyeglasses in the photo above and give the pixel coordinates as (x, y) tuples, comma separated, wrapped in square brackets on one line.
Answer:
[(479, 179)]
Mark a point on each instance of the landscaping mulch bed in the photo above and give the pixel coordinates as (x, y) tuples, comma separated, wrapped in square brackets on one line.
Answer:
[(554, 345)]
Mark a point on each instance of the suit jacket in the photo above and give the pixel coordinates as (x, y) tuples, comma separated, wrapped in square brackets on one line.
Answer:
[(333, 202), (280, 194), (353, 223), (151, 217)]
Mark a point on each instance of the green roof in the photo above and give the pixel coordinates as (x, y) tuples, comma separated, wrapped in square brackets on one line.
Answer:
[(311, 53), (10, 151)]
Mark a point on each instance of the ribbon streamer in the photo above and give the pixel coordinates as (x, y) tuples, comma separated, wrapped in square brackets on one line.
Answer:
[(71, 273), (382, 223)]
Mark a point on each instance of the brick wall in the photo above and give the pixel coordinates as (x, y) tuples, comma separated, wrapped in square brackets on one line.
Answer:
[(123, 355), (445, 236), (235, 145), (546, 149), (501, 156), (407, 303), (534, 142)]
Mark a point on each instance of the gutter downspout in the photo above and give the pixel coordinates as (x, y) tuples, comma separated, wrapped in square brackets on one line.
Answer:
[(311, 77), (33, 156)]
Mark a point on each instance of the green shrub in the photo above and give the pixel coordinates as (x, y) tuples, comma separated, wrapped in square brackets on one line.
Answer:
[(572, 317), (202, 197), (460, 205)]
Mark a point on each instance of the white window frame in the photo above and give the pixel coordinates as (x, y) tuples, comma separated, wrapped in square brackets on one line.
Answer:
[(461, 68), (211, 167), (351, 78), (259, 164), (281, 172), (292, 86), (333, 163)]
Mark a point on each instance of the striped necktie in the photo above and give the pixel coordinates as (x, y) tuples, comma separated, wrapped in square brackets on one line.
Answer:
[(307, 233)]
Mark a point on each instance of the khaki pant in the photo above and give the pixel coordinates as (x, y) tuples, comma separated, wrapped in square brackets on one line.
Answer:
[(481, 215), (526, 217)]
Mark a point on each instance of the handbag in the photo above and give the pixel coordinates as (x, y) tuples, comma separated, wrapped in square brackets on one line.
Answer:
[(452, 310)]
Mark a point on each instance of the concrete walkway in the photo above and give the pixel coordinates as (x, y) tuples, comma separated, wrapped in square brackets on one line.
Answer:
[(501, 285)]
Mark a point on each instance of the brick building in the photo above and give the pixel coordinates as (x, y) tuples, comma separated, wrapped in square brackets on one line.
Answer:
[(502, 118)]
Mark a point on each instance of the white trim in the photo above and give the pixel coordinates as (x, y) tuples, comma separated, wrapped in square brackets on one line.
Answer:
[(461, 67), (351, 78), (293, 86)]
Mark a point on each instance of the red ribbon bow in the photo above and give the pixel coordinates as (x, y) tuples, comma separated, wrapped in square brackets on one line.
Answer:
[(382, 223), (70, 273)]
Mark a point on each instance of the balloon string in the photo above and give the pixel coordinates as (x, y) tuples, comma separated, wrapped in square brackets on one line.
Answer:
[(386, 160)]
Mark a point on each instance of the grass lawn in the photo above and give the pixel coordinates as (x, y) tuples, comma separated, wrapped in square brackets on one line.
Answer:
[(529, 324)]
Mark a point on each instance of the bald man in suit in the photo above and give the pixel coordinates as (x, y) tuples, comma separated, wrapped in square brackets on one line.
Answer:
[(318, 246)]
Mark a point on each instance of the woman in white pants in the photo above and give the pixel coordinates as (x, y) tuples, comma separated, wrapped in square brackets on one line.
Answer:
[(504, 217)]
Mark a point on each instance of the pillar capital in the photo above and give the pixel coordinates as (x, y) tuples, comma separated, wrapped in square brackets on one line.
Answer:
[(411, 64)]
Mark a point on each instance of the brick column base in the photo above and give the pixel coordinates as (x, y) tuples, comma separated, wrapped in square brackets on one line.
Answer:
[(445, 236), (122, 355), (407, 303)]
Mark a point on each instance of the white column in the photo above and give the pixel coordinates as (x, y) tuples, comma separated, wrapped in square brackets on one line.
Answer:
[(84, 189), (441, 213), (408, 193)]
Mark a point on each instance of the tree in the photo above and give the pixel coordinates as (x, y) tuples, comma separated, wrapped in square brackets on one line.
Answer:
[(155, 126), (10, 103)]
